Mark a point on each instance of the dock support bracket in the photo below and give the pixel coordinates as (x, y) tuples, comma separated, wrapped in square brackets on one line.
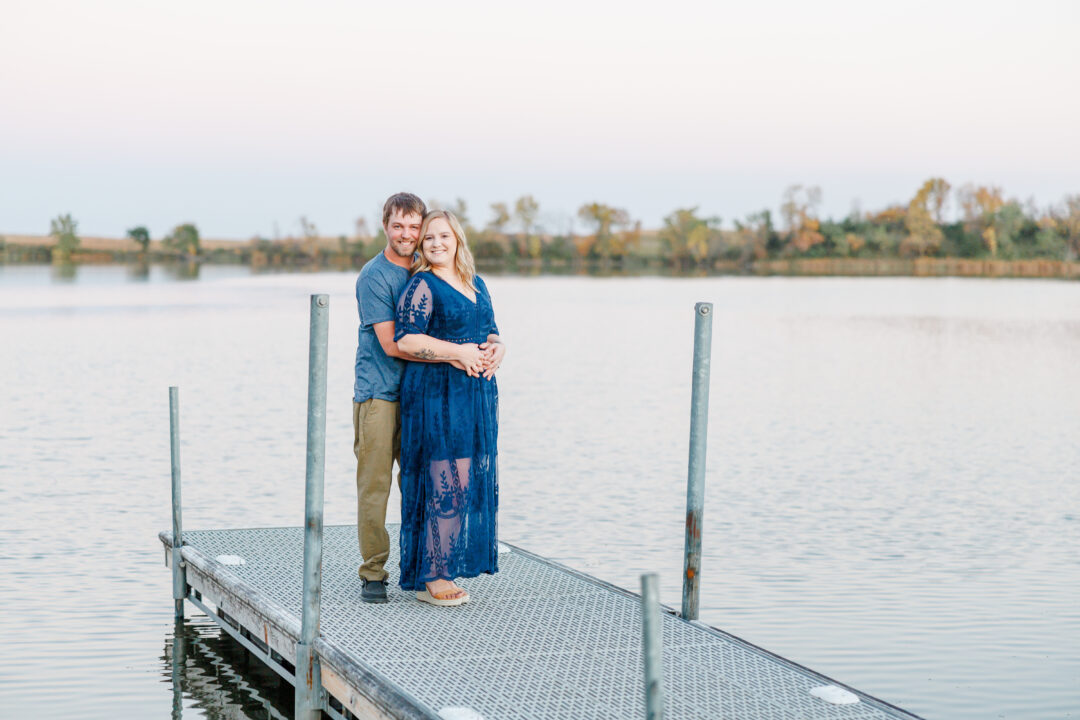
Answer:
[(266, 656), (695, 483)]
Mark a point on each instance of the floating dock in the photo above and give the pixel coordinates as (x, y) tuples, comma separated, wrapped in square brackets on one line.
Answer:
[(538, 641)]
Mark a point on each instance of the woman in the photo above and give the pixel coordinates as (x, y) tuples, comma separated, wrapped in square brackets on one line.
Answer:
[(449, 418)]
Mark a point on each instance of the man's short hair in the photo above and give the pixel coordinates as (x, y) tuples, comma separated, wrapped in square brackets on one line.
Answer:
[(405, 203)]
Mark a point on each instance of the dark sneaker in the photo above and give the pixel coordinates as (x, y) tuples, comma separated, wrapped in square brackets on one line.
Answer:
[(374, 591)]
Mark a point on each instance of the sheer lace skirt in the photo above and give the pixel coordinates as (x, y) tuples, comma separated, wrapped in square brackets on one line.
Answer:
[(449, 479)]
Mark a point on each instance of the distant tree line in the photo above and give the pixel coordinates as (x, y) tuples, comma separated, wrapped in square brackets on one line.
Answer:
[(976, 222), (984, 225)]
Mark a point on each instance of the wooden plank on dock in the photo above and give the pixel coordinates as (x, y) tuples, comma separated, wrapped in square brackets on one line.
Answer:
[(538, 640)]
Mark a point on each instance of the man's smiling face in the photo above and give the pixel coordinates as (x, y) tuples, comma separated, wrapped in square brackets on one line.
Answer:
[(403, 233)]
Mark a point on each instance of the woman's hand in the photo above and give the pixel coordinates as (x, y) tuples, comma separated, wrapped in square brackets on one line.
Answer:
[(494, 352), (471, 358), (458, 365)]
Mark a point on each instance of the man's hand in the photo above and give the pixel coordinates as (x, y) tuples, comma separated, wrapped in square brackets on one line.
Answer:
[(493, 354)]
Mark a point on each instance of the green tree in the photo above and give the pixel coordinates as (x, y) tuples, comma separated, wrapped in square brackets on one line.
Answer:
[(63, 229), (361, 237), (1008, 223), (687, 236), (184, 239), (799, 211), (378, 243), (525, 210), (979, 207), (604, 219), (753, 235), (1050, 244), (924, 235), (1067, 220), (309, 235), (500, 218), (461, 211), (141, 236), (561, 249), (601, 217), (937, 196)]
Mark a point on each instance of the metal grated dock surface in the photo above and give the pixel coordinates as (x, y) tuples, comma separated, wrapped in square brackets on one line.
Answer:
[(538, 640)]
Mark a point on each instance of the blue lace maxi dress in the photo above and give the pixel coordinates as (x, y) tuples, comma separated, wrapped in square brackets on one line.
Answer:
[(449, 427)]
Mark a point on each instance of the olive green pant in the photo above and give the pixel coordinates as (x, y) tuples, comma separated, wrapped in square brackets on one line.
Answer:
[(377, 444)]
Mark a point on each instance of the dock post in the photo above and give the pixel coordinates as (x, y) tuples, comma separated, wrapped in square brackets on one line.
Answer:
[(179, 574), (309, 695), (695, 484), (652, 644)]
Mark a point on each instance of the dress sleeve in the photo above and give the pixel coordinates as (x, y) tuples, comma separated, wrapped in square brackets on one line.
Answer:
[(414, 308)]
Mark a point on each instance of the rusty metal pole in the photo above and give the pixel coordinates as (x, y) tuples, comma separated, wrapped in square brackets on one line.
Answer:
[(695, 484), (309, 692)]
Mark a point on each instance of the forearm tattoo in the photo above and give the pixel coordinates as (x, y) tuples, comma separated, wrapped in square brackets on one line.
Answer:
[(425, 354)]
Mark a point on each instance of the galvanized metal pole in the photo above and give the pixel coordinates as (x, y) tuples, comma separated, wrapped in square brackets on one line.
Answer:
[(179, 574), (309, 694), (695, 484), (652, 644)]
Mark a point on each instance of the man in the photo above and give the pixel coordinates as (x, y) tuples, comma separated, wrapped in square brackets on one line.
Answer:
[(376, 415)]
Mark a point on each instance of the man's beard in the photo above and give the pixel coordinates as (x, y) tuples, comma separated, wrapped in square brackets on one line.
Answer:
[(401, 252)]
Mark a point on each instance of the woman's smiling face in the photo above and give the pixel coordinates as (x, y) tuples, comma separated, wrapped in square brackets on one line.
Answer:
[(439, 244)]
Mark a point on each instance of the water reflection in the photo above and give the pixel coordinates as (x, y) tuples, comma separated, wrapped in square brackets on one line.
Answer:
[(65, 272), (183, 270), (142, 271), (139, 271), (218, 678)]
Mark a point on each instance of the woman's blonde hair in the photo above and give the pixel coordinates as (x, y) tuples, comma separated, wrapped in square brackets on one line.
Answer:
[(463, 259)]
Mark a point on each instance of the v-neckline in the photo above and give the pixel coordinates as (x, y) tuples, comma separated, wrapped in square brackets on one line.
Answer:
[(447, 284)]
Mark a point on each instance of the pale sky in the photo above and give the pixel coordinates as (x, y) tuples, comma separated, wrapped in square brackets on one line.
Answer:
[(239, 114)]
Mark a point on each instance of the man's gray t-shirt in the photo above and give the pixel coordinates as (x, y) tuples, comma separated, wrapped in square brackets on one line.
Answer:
[(377, 290)]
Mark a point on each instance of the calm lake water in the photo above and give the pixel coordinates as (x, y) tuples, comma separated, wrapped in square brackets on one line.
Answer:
[(893, 493)]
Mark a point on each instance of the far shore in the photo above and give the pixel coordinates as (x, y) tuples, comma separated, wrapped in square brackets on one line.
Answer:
[(123, 245), (328, 254)]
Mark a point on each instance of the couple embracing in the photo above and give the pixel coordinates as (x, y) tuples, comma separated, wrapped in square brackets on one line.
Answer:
[(425, 395)]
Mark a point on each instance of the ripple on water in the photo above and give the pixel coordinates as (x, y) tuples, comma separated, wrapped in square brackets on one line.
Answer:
[(890, 491)]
